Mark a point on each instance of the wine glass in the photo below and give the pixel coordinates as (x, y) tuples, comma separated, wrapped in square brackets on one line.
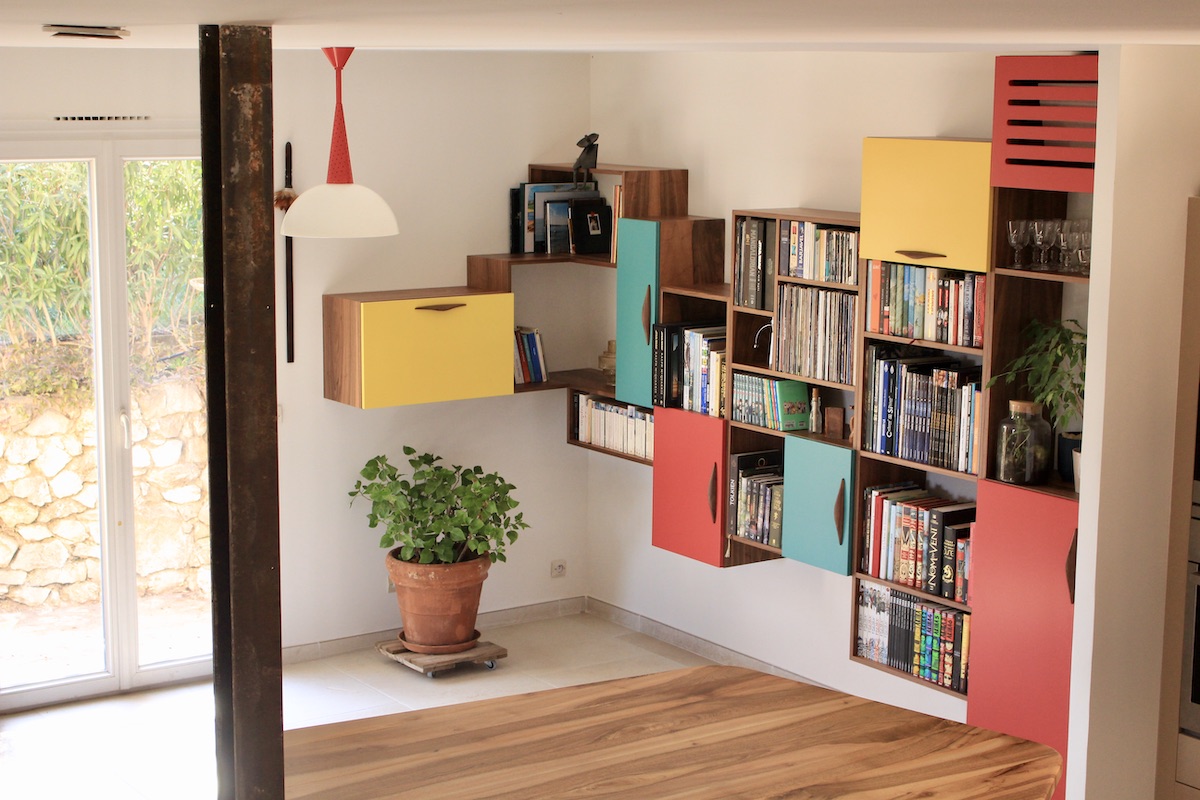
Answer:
[(1018, 237), (1037, 238), (1068, 242), (1084, 254), (1045, 234)]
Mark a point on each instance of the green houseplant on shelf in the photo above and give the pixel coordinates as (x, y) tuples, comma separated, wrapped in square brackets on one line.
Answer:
[(1054, 365), (443, 526)]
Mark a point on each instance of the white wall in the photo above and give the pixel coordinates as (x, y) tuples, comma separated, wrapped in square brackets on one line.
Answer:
[(441, 137), (760, 131), (1147, 166)]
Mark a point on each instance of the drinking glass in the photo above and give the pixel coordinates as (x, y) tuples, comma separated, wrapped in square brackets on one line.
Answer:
[(1068, 242), (1041, 237), (1018, 237)]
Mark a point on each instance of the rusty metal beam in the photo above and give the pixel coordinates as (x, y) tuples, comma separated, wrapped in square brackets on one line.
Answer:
[(239, 270)]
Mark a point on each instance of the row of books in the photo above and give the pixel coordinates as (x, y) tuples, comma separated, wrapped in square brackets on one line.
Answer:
[(688, 366), (560, 217), (614, 426), (926, 409), (529, 357), (916, 538), (924, 639), (755, 497), (815, 333), (780, 405), (790, 248), (818, 253), (754, 262), (928, 303)]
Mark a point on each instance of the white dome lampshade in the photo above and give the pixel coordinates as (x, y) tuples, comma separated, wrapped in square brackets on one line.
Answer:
[(339, 208)]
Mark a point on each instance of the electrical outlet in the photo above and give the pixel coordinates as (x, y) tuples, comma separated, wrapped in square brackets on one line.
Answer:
[(558, 569)]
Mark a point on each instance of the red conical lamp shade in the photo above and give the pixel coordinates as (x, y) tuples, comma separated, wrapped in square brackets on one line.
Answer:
[(339, 208)]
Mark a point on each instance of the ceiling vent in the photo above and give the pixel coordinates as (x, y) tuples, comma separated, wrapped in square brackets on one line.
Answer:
[(101, 118), (86, 31)]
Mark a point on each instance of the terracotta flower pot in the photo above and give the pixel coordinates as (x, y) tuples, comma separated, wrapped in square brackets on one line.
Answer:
[(438, 602)]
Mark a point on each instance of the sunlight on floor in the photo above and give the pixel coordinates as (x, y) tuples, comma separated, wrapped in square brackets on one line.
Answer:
[(159, 744)]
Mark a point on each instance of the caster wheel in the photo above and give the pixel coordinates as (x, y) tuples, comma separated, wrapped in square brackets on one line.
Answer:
[(490, 664), (431, 675)]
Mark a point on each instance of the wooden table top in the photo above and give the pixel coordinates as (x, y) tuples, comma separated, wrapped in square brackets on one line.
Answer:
[(706, 732)]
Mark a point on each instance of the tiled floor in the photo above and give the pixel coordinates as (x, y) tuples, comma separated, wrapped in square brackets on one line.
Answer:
[(159, 744)]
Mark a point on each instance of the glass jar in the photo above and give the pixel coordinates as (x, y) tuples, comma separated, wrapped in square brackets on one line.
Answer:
[(1023, 444)]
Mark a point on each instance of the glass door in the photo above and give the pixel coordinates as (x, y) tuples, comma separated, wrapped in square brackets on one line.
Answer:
[(104, 557)]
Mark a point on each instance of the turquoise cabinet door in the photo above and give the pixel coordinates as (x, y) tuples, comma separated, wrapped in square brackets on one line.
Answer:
[(637, 307), (818, 503)]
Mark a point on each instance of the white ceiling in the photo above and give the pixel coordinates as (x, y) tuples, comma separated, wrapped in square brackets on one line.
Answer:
[(601, 25)]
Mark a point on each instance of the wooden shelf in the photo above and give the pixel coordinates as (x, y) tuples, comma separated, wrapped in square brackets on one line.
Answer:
[(909, 677), (591, 381), (766, 548), (701, 291), (1055, 277), (871, 336), (817, 437), (770, 373), (617, 453), (900, 462), (844, 287), (1054, 488), (933, 598)]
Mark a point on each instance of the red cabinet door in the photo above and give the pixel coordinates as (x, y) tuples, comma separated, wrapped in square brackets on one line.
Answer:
[(1019, 677), (689, 481)]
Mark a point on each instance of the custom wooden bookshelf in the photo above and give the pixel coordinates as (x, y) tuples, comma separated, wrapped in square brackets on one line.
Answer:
[(813, 474), (1014, 297)]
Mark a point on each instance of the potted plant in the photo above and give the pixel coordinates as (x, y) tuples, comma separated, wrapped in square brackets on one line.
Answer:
[(1054, 366), (443, 528)]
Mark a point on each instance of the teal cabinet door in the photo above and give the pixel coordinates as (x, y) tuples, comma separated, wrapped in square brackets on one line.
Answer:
[(637, 307), (818, 503)]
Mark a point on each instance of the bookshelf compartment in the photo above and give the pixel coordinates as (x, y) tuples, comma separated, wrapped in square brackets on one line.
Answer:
[(598, 422)]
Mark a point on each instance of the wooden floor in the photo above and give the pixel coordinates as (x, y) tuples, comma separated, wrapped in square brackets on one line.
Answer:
[(706, 732)]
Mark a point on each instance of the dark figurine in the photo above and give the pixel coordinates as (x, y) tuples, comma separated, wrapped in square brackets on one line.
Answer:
[(587, 159)]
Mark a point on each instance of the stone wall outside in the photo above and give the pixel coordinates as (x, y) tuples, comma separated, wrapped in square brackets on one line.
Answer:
[(50, 497)]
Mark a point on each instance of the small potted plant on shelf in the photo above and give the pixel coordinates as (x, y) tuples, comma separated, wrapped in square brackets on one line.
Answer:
[(443, 528), (1054, 366)]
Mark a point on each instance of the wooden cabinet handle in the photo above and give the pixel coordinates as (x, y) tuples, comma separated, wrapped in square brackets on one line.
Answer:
[(646, 315), (712, 494), (839, 513), (1071, 565), (920, 255), (441, 307)]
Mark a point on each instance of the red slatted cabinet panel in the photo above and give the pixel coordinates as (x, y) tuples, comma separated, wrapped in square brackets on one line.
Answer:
[(689, 481), (1019, 674), (1044, 122)]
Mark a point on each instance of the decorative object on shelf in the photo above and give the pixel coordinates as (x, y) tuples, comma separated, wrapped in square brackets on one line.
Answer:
[(608, 363), (283, 201), (1023, 444), (339, 208), (443, 528), (587, 158), (818, 418), (1055, 368)]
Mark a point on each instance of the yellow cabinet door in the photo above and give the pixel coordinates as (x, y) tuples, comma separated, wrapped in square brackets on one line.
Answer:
[(927, 202), (425, 350)]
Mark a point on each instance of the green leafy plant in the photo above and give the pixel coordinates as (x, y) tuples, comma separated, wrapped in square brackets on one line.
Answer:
[(437, 514), (1054, 366)]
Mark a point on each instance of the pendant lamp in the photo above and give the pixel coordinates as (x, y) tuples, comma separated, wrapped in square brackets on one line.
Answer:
[(339, 208)]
